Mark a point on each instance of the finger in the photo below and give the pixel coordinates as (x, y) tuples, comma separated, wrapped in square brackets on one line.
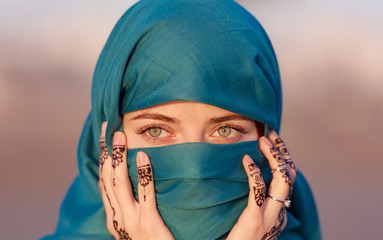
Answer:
[(120, 181), (114, 220), (256, 184), (284, 152), (108, 209), (283, 217), (146, 193), (103, 150), (278, 226), (281, 182), (104, 155)]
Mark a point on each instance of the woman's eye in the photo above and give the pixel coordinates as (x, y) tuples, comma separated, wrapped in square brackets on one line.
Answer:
[(224, 131), (154, 131)]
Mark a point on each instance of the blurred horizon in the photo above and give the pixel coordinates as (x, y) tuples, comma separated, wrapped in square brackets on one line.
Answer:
[(330, 56)]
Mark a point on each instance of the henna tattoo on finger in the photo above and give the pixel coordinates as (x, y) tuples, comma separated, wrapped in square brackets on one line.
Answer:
[(117, 158), (281, 146), (117, 155), (144, 176), (281, 162), (276, 230), (286, 175), (274, 152), (104, 154), (260, 186)]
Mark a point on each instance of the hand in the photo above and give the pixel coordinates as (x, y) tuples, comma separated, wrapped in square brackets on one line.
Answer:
[(127, 218), (265, 218)]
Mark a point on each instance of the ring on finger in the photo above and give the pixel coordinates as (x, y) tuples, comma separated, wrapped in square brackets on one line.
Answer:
[(287, 202), (279, 169)]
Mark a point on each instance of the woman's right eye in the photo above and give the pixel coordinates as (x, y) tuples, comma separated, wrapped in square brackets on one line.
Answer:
[(224, 131), (156, 132)]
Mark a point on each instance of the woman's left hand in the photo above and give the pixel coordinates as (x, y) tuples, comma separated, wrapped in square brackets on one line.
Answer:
[(265, 215)]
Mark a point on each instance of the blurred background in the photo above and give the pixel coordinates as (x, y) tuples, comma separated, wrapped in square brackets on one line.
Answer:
[(331, 61)]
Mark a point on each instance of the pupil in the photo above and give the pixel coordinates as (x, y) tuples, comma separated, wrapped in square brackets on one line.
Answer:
[(155, 132), (224, 132)]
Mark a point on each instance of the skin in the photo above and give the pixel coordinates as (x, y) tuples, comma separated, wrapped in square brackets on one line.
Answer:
[(178, 122)]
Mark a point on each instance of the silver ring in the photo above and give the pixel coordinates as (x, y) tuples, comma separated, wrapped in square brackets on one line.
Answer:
[(287, 202), (279, 169)]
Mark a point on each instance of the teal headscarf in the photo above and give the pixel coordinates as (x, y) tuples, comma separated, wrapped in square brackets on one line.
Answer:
[(209, 51)]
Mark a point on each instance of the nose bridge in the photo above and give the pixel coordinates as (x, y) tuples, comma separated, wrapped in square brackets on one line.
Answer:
[(194, 124), (194, 130), (194, 135)]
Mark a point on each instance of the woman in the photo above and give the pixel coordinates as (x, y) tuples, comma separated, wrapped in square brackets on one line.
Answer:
[(187, 93)]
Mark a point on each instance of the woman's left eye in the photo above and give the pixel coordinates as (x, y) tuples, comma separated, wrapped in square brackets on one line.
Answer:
[(225, 132)]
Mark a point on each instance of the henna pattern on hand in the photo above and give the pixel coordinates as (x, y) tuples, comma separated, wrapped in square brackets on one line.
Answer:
[(260, 187), (285, 152), (276, 230), (144, 176), (122, 234), (117, 155)]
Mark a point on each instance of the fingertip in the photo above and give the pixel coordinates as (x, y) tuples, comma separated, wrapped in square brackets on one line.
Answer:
[(265, 141), (145, 179), (119, 138), (103, 129), (270, 132), (247, 159), (142, 159), (249, 164)]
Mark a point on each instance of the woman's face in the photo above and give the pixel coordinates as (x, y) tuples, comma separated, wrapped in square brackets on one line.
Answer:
[(183, 121)]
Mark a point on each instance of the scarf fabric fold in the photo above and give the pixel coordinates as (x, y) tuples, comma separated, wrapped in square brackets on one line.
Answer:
[(209, 51)]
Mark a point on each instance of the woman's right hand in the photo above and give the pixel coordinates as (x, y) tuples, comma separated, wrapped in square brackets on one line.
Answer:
[(127, 218)]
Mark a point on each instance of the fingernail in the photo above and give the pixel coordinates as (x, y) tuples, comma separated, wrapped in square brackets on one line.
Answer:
[(142, 159), (248, 159), (103, 126), (266, 141), (118, 138)]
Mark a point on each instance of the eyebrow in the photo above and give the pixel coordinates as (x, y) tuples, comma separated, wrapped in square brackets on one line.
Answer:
[(155, 116), (228, 118)]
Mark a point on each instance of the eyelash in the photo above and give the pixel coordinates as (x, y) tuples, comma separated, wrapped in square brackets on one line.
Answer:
[(143, 129), (230, 125)]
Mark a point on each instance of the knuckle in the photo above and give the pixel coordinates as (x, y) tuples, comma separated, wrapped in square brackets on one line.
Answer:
[(117, 183)]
